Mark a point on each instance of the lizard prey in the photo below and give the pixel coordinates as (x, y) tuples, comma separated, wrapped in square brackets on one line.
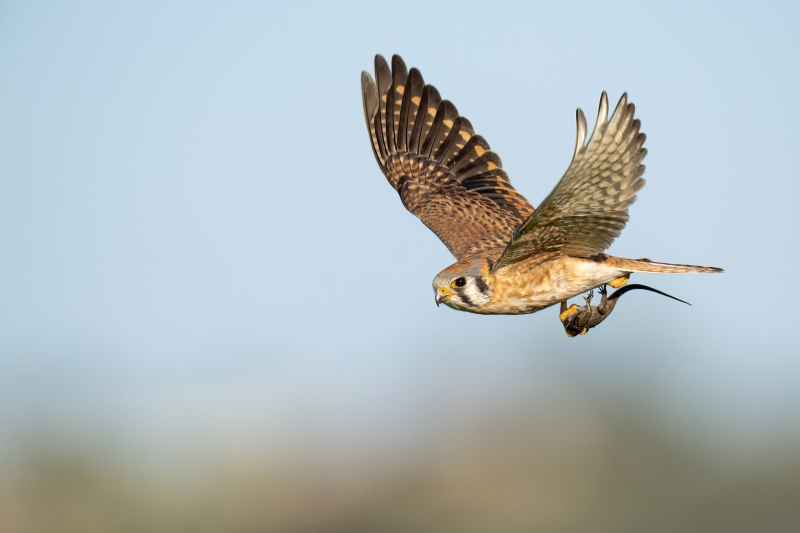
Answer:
[(578, 320)]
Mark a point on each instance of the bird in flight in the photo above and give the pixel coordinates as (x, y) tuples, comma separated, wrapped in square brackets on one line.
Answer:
[(510, 257)]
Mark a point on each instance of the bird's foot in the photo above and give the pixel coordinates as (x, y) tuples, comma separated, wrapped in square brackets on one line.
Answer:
[(588, 298), (619, 282), (565, 312)]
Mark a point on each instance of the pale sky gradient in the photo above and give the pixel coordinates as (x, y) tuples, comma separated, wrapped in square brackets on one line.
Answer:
[(194, 234)]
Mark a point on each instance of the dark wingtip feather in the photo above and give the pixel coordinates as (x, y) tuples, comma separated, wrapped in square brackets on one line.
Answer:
[(369, 93)]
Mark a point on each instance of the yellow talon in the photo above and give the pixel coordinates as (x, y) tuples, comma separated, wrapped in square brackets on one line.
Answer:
[(584, 330), (564, 314), (619, 282)]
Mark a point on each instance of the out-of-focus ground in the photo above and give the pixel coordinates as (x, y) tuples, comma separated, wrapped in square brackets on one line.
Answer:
[(574, 459)]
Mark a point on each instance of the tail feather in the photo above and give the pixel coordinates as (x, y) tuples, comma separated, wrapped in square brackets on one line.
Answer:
[(646, 265)]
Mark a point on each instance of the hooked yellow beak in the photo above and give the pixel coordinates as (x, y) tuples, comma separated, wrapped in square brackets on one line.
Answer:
[(442, 295)]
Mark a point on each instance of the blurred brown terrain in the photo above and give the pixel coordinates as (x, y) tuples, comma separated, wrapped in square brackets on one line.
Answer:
[(601, 466)]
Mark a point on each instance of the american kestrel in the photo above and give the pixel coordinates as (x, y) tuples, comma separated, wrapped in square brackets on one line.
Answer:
[(510, 257)]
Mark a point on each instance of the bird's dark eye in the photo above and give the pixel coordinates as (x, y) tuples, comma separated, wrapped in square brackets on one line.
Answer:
[(460, 282)]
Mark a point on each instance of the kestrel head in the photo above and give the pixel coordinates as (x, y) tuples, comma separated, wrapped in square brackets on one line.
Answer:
[(462, 287)]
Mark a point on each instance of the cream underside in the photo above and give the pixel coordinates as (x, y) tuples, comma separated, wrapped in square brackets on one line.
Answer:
[(547, 284)]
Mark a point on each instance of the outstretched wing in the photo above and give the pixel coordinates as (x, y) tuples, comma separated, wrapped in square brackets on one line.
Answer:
[(589, 207), (445, 174)]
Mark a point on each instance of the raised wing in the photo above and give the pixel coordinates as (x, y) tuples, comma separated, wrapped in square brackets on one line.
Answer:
[(445, 174), (589, 207)]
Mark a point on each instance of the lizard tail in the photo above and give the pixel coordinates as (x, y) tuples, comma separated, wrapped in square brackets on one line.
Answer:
[(619, 292)]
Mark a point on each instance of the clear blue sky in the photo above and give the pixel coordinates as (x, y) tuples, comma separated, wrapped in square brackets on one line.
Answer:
[(194, 234)]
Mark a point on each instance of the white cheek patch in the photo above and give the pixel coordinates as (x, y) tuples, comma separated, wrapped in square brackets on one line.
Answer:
[(474, 294)]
